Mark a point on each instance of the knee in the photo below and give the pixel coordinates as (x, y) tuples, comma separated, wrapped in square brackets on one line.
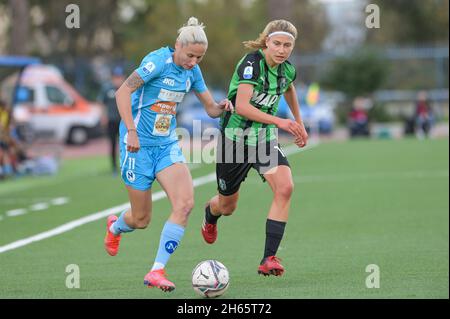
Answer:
[(285, 190), (141, 222), (228, 209), (184, 208)]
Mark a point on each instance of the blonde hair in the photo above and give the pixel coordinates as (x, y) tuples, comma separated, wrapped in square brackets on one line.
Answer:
[(272, 26), (192, 33)]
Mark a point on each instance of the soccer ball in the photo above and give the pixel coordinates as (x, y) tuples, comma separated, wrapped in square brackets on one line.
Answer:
[(210, 278)]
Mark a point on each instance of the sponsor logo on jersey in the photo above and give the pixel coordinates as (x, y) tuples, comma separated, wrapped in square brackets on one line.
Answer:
[(170, 96), (170, 82), (264, 99), (148, 68), (164, 107)]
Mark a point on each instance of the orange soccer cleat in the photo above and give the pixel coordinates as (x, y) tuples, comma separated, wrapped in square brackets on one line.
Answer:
[(111, 241), (157, 278)]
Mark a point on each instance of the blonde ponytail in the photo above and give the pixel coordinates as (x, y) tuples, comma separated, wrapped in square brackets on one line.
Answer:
[(192, 33)]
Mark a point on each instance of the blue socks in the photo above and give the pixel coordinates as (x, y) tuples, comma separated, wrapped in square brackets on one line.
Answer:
[(171, 235), (170, 239), (119, 226)]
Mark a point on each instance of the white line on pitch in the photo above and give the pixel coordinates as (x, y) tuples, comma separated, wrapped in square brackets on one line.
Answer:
[(117, 209)]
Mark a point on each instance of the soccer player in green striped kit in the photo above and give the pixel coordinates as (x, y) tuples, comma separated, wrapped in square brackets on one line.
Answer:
[(249, 136)]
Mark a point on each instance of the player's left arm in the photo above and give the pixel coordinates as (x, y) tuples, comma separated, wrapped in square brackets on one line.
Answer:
[(213, 108), (291, 98)]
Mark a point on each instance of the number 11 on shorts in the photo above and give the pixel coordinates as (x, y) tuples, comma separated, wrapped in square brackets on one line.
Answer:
[(131, 163)]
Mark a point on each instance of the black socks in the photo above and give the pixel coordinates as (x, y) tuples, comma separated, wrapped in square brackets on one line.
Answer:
[(210, 218), (274, 234)]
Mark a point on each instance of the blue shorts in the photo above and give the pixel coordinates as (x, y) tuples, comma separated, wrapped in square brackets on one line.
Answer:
[(139, 169)]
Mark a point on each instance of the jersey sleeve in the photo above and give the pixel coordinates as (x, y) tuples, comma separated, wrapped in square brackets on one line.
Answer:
[(198, 83), (294, 76), (248, 70), (150, 68), (292, 71)]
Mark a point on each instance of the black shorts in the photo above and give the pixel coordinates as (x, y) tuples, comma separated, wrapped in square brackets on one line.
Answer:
[(234, 160)]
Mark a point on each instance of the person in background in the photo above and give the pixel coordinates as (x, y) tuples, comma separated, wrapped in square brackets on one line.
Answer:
[(423, 115), (358, 119), (4, 140), (111, 117)]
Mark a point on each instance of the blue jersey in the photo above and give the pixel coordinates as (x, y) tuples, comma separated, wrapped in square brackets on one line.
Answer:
[(154, 104)]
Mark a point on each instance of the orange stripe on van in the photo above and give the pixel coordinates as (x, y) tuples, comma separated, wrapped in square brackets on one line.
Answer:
[(55, 109)]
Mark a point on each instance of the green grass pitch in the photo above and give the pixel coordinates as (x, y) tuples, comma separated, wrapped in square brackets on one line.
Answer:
[(355, 203)]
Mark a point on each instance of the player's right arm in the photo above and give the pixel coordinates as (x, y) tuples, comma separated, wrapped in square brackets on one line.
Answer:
[(245, 109), (123, 99), (150, 68)]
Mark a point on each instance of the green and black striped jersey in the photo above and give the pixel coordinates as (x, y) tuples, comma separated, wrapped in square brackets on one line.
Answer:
[(269, 84)]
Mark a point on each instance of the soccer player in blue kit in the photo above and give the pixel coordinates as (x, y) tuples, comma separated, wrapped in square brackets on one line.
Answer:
[(147, 103)]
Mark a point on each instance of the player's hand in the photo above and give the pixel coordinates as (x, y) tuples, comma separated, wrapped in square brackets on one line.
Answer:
[(302, 140), (291, 127), (133, 142), (226, 105)]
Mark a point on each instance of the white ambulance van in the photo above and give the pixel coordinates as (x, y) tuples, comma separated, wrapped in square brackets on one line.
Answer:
[(53, 108)]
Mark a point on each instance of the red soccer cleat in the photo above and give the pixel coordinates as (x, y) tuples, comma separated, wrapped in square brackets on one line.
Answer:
[(271, 266), (157, 278), (111, 241), (209, 232)]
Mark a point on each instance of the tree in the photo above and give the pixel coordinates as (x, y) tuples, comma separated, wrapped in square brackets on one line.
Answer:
[(359, 74), (19, 27), (411, 22), (39, 27), (309, 18), (150, 24), (279, 9), (228, 23), (311, 21)]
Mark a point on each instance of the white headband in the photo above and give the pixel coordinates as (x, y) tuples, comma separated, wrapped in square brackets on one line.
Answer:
[(281, 33)]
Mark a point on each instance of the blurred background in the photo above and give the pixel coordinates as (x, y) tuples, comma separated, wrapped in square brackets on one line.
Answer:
[(361, 73)]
